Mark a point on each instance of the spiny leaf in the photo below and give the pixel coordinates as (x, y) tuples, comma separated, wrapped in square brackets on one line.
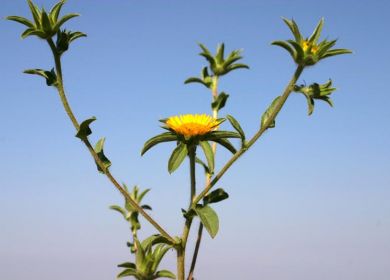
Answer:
[(208, 218), (84, 130), (177, 157)]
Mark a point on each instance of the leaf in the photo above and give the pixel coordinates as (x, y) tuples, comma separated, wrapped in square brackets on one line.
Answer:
[(177, 157), (208, 218), (21, 20), (166, 274), (119, 210), (236, 66), (336, 52), (84, 130), (146, 207), (294, 29), (194, 80), (220, 53), (236, 126), (222, 134), (226, 143), (127, 265), (164, 137), (310, 105), (99, 151), (208, 152), (220, 102), (46, 24), (216, 196), (206, 168), (298, 50), (153, 240), (50, 76), (63, 20), (317, 32), (267, 114), (55, 11), (285, 46), (36, 13), (127, 272)]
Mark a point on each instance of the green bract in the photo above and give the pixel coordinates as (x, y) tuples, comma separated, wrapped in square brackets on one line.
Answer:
[(307, 51), (316, 91)]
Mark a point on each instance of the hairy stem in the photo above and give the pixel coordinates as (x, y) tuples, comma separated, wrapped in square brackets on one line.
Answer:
[(289, 88), (69, 112)]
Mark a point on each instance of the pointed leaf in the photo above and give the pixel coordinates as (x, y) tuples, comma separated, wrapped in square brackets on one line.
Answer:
[(216, 196), (226, 143), (105, 161), (222, 134), (294, 29), (285, 46), (120, 210), (165, 274), (220, 53), (128, 272), (36, 13), (164, 137), (177, 157), (63, 20), (46, 24), (127, 265), (50, 76), (268, 113), (336, 52), (220, 102), (236, 126), (21, 20), (55, 11), (208, 218), (317, 32), (208, 152), (205, 167), (84, 130)]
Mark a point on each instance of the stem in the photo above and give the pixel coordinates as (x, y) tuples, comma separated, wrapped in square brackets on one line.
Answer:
[(69, 112), (214, 93), (289, 88), (181, 250)]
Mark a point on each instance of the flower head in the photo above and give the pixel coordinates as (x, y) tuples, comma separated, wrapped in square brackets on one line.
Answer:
[(192, 125)]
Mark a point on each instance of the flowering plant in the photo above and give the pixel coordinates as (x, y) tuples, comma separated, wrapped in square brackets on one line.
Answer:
[(191, 133)]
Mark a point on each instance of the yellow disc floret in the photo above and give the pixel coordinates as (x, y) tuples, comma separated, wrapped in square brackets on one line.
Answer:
[(192, 125), (308, 46)]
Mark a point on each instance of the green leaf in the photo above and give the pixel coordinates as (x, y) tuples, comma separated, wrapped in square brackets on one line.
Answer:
[(119, 210), (127, 265), (220, 102), (236, 126), (84, 130), (21, 20), (220, 53), (36, 13), (164, 137), (46, 24), (335, 52), (208, 218), (50, 76), (55, 11), (268, 113), (226, 143), (177, 157), (208, 152), (166, 274), (63, 20), (99, 150), (153, 240), (317, 32), (298, 50), (294, 29), (310, 105), (128, 272), (194, 80), (222, 134), (236, 66), (216, 196), (205, 167), (285, 46)]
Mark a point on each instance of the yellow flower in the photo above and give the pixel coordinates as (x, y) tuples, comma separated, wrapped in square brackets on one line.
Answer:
[(192, 125), (306, 45)]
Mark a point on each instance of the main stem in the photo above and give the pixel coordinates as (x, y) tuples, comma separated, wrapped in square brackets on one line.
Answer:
[(181, 250), (69, 112), (287, 91), (214, 93)]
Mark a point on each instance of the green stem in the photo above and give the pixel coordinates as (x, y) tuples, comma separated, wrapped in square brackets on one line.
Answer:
[(181, 250), (289, 88), (69, 112), (214, 93)]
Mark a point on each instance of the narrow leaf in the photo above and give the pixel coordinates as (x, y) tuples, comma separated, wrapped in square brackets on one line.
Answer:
[(285, 46), (204, 165), (226, 143), (317, 32), (336, 52), (36, 13), (177, 157), (63, 20), (216, 196), (119, 210), (236, 126), (164, 137), (127, 272), (105, 161), (21, 20), (166, 274), (55, 11), (208, 218), (208, 152), (220, 102), (127, 265)]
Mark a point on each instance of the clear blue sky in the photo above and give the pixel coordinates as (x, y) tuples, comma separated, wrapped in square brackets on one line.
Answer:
[(309, 201)]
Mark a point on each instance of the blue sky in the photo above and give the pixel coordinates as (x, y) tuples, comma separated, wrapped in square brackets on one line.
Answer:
[(309, 201)]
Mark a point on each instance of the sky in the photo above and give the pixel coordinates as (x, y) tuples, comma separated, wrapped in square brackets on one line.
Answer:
[(310, 200)]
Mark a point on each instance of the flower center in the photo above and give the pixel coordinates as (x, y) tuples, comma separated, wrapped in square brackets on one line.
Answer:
[(307, 46)]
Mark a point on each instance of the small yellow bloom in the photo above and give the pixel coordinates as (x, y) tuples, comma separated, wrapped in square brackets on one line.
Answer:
[(192, 125), (307, 46)]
